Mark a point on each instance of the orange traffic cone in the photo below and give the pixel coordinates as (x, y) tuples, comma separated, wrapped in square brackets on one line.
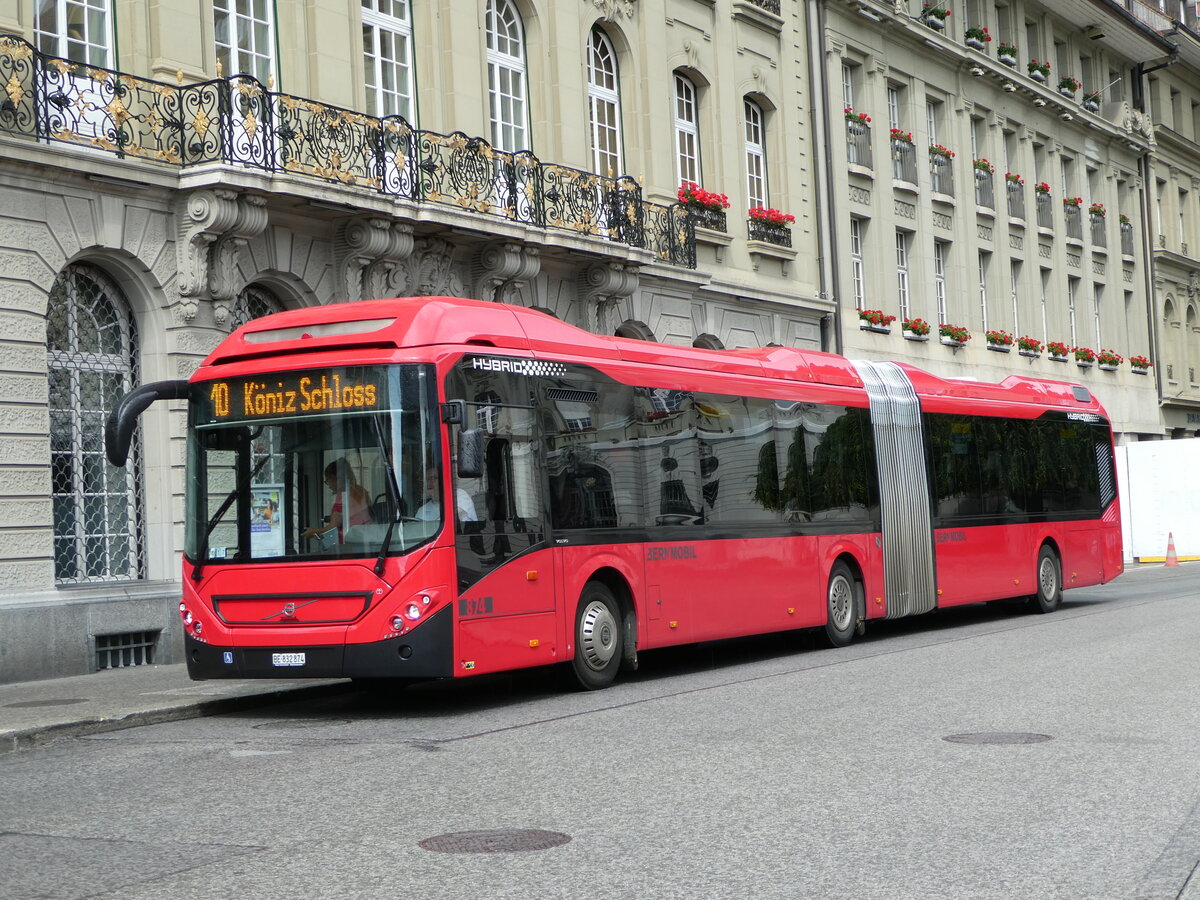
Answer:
[(1172, 559)]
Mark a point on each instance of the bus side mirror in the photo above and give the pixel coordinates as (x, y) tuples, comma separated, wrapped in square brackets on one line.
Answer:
[(470, 453), (118, 430)]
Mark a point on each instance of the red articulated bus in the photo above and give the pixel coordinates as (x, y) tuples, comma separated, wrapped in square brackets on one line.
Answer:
[(437, 487)]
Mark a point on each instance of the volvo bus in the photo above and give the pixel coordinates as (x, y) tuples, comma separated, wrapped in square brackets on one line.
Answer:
[(439, 488)]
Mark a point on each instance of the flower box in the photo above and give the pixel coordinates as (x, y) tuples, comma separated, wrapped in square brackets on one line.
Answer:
[(1032, 354), (1138, 370), (1009, 59), (1038, 71), (953, 335), (913, 336), (1058, 351), (875, 320), (1106, 367), (1056, 357), (1029, 346), (1140, 365)]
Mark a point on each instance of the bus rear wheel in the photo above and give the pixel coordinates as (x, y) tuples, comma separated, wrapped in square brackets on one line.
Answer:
[(1049, 581), (841, 606), (598, 638)]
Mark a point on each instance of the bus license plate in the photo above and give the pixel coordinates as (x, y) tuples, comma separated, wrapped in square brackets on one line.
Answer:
[(287, 659)]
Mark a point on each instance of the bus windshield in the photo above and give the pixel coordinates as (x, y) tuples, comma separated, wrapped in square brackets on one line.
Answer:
[(315, 464)]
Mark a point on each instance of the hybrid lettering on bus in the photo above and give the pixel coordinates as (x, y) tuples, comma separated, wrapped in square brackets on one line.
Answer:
[(436, 487)]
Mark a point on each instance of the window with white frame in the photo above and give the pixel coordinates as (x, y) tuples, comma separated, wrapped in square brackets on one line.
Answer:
[(941, 250), (985, 263), (847, 86), (1014, 276), (91, 353), (933, 111), (245, 37), (902, 292), (507, 77), (687, 130), (80, 30), (387, 58), (858, 262), (893, 105), (604, 105), (756, 155)]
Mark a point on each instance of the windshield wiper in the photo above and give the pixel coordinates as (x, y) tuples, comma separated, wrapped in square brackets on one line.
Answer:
[(393, 497)]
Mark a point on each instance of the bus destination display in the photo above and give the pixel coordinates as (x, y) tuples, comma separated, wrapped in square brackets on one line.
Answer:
[(294, 394)]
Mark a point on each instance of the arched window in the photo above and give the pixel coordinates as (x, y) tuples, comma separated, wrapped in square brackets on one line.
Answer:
[(756, 155), (604, 105), (91, 343), (80, 30), (687, 131), (253, 302), (387, 58), (507, 77)]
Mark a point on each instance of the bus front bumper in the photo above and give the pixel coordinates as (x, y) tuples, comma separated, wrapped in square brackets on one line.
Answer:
[(426, 652)]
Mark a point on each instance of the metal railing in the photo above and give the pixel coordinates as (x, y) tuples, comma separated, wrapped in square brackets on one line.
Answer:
[(769, 232), (941, 170), (985, 191), (237, 121), (771, 6), (1099, 232), (904, 161), (1127, 240), (1045, 211), (858, 144), (1016, 200), (1074, 219)]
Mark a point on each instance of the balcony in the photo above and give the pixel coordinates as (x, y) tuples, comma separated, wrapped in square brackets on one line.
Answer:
[(1016, 200), (904, 161), (1045, 211), (1099, 233), (1074, 218), (1126, 239), (236, 121), (858, 144), (985, 191), (941, 170)]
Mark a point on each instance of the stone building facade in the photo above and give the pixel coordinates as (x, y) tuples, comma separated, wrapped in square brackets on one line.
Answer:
[(170, 170)]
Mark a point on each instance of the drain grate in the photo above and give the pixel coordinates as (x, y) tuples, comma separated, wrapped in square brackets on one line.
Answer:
[(998, 737), (502, 840), (134, 648), (34, 704)]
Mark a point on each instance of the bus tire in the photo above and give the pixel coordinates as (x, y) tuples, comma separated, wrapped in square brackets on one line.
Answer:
[(1049, 581), (841, 606), (599, 638)]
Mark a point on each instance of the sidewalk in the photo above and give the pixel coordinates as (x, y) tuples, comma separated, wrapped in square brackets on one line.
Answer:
[(34, 712)]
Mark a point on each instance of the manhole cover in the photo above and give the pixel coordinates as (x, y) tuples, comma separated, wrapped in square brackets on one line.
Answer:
[(289, 724), (497, 841), (30, 704), (998, 737)]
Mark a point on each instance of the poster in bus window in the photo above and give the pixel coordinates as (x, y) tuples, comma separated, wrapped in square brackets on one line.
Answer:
[(266, 521)]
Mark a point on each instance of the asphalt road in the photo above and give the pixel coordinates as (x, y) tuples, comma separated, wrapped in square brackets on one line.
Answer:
[(749, 769)]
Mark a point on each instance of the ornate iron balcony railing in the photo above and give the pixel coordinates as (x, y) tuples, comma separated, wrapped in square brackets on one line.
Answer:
[(237, 121), (858, 144)]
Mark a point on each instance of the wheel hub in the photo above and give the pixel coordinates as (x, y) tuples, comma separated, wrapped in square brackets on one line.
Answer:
[(597, 635), (841, 603)]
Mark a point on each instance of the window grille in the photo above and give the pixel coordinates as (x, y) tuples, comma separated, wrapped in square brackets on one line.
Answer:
[(91, 342), (117, 651), (253, 303)]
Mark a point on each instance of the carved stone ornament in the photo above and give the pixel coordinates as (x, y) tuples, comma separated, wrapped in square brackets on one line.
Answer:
[(366, 252), (431, 272), (610, 10), (602, 286), (502, 268), (214, 227)]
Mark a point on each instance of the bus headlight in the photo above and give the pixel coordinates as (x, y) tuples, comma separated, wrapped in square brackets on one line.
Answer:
[(413, 611), (397, 623)]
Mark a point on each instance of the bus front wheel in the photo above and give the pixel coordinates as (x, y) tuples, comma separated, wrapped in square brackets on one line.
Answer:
[(598, 638), (1049, 581), (841, 606)]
